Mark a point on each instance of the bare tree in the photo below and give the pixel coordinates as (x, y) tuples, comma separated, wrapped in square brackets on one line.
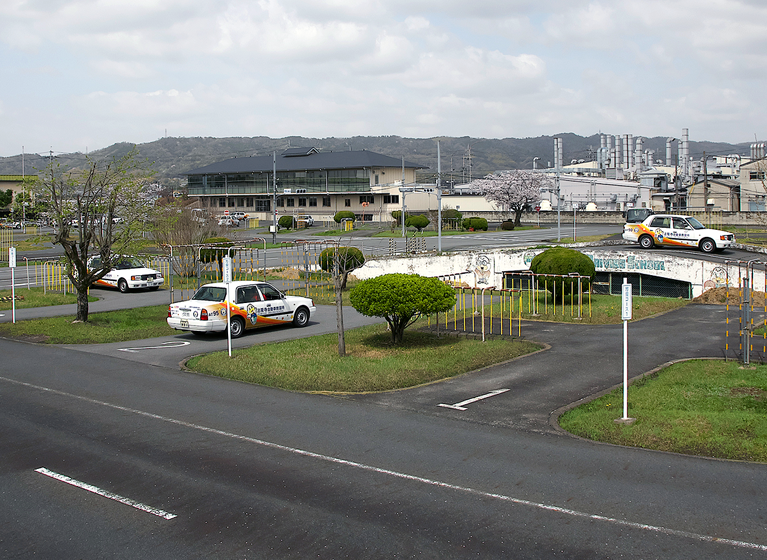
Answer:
[(85, 206), (513, 191)]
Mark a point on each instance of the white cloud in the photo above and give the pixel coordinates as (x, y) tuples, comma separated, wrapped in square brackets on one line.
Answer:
[(120, 70)]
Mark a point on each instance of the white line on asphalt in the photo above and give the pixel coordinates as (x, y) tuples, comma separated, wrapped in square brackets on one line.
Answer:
[(169, 344), (459, 406), (404, 476), (104, 493)]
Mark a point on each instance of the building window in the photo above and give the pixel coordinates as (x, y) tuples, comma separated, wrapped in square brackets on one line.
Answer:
[(377, 179), (302, 201), (312, 202), (391, 199), (204, 202), (249, 202), (366, 198), (756, 175), (263, 205), (222, 203), (240, 202), (326, 201), (347, 202), (291, 202), (231, 203), (280, 202)]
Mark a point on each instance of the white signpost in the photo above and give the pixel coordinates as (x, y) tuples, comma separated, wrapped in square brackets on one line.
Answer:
[(626, 315), (227, 273), (12, 266)]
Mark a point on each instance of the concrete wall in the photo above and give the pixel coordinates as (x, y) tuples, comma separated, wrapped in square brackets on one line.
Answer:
[(484, 269)]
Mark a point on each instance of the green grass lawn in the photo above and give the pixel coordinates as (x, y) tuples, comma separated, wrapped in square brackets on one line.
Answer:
[(34, 297), (371, 364), (112, 326), (700, 407)]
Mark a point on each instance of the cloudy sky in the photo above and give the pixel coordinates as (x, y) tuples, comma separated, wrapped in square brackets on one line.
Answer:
[(83, 74)]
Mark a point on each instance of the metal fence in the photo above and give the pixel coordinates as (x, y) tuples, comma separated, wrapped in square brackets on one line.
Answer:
[(746, 311)]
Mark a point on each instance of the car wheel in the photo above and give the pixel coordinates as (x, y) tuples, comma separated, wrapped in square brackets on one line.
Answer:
[(301, 317), (646, 242), (122, 285), (707, 245), (237, 326)]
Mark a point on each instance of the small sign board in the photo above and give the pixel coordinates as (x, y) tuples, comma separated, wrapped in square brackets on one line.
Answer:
[(227, 266), (12, 257), (626, 301)]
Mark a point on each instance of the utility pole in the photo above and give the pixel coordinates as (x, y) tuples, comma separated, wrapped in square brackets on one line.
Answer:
[(439, 200), (274, 198)]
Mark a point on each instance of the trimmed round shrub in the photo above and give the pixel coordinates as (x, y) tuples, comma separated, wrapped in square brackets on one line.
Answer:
[(508, 225), (215, 254), (286, 222), (418, 222), (451, 214), (349, 258), (344, 214), (558, 262), (475, 223)]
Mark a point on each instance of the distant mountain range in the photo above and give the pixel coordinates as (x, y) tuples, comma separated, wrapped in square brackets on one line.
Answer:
[(464, 157)]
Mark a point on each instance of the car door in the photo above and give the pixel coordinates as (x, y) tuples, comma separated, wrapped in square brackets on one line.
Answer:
[(683, 233), (662, 230)]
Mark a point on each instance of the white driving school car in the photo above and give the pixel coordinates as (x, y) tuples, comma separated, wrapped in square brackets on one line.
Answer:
[(677, 231), (252, 305), (129, 273)]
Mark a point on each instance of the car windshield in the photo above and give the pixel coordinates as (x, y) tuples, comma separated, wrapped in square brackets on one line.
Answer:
[(124, 263), (210, 293), (695, 223)]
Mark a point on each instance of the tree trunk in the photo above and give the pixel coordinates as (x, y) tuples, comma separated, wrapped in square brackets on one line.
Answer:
[(517, 218), (82, 304), (340, 318)]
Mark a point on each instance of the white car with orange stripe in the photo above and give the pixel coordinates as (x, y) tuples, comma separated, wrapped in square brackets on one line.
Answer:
[(677, 231), (128, 273), (251, 304)]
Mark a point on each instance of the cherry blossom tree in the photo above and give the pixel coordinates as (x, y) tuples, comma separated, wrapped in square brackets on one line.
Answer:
[(513, 191)]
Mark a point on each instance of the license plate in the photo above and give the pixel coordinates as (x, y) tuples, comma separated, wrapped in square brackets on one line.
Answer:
[(184, 324)]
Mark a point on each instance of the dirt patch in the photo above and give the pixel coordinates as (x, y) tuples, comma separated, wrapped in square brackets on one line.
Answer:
[(755, 392), (286, 273), (720, 296)]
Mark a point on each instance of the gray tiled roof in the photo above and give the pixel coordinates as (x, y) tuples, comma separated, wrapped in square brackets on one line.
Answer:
[(292, 160)]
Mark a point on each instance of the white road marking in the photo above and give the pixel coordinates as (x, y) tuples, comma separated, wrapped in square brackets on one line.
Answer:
[(404, 476), (169, 344), (460, 405), (104, 493)]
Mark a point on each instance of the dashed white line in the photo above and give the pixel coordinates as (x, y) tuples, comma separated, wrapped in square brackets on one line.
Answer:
[(396, 474), (106, 494)]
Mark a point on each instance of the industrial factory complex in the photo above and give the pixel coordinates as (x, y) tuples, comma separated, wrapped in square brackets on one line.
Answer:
[(621, 175)]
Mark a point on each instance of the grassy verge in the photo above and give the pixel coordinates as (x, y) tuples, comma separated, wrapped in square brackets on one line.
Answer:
[(112, 326), (701, 407), (35, 297), (371, 364)]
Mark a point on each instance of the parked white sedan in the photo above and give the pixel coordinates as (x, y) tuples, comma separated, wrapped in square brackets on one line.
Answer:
[(129, 273), (677, 231), (251, 305)]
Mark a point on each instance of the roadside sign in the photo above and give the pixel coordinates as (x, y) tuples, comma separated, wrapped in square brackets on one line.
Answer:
[(12, 257), (626, 301), (227, 269)]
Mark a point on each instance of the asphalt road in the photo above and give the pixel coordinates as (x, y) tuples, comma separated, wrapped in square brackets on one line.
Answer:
[(180, 465), (253, 472)]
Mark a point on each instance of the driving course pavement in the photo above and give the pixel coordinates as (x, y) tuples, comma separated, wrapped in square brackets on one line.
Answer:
[(468, 467)]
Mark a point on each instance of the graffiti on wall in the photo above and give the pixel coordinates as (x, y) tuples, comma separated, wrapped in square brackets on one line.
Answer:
[(483, 270)]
